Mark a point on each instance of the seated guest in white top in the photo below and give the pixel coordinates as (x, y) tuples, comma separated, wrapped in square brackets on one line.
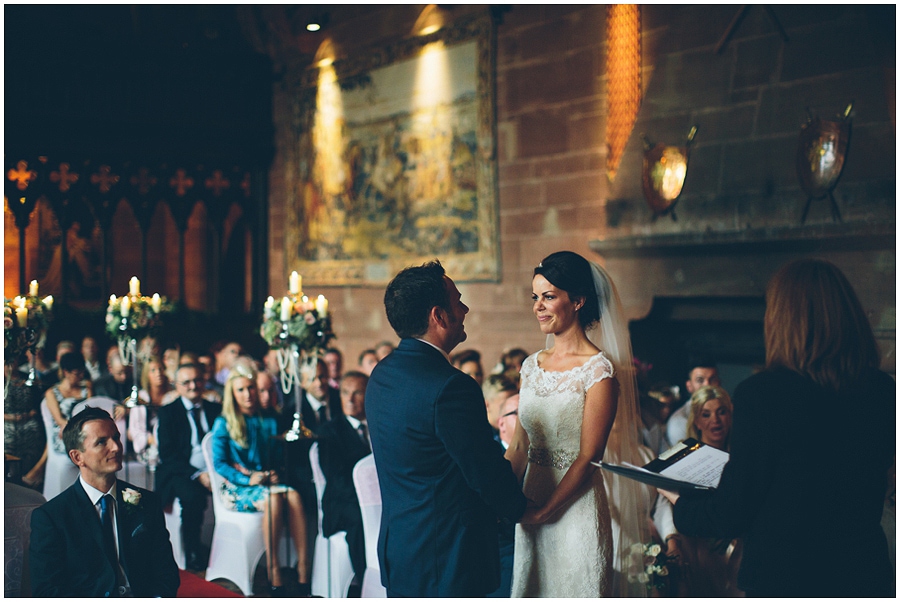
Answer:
[(703, 373)]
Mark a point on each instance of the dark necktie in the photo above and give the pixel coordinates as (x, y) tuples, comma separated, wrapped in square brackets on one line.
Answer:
[(195, 412), (109, 536), (323, 414), (364, 435)]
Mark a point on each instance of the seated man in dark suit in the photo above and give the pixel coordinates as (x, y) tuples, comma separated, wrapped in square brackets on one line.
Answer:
[(117, 382), (182, 471), (101, 537), (343, 442), (319, 403)]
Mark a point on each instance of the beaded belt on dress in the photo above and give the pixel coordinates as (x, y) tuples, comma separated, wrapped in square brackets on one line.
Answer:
[(548, 457)]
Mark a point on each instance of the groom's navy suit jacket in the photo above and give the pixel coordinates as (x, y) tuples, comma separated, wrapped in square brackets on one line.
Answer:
[(67, 557), (444, 481)]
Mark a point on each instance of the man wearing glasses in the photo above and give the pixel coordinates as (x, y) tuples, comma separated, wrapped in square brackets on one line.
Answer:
[(182, 472)]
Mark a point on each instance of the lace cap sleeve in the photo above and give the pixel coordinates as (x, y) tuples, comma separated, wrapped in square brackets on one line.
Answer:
[(596, 369)]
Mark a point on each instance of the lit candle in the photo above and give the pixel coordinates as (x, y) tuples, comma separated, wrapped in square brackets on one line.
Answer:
[(22, 316), (33, 288), (285, 309), (19, 301), (155, 302), (269, 308), (48, 301), (322, 306), (296, 284), (112, 300), (134, 287), (125, 308)]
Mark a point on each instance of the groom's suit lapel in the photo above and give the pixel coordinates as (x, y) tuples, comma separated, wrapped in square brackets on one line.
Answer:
[(130, 521), (86, 514)]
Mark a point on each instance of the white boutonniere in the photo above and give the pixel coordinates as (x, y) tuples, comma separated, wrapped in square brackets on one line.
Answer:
[(131, 497)]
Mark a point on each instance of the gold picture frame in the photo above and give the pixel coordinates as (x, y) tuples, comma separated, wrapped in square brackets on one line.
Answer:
[(395, 161)]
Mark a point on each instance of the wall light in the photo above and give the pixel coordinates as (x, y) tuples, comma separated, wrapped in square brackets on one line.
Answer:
[(431, 19), (665, 168)]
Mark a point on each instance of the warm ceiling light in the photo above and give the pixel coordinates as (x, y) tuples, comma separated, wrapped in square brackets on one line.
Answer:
[(430, 20), (313, 27)]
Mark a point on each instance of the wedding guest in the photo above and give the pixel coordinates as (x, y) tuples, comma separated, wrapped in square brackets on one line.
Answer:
[(383, 349), (182, 471), (496, 389), (117, 382), (154, 392), (509, 417), (801, 515), (702, 373), (268, 396), (469, 362), (343, 442), (101, 537), (368, 359), (334, 360), (91, 352), (512, 360), (65, 395), (23, 430), (708, 565), (245, 453), (171, 358)]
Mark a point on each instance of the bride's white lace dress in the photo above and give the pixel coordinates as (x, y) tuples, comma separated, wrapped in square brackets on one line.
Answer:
[(569, 556)]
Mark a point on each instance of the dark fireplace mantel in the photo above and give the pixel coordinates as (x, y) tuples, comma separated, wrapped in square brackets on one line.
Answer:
[(858, 236)]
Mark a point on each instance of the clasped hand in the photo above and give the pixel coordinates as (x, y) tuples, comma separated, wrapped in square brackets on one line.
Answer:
[(264, 477), (534, 514)]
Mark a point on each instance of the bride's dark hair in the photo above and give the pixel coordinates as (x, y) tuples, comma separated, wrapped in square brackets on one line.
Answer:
[(571, 272)]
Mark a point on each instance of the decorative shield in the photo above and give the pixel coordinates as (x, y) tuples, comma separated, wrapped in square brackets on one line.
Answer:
[(821, 153), (665, 168)]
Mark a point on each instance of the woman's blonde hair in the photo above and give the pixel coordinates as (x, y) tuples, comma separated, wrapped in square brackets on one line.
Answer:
[(699, 399), (145, 371), (816, 326), (234, 419)]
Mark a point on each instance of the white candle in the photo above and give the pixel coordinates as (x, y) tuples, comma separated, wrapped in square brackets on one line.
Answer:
[(322, 306), (125, 308), (134, 287), (285, 309), (269, 311), (112, 300), (296, 283), (33, 289), (22, 316), (48, 301), (19, 301), (156, 303)]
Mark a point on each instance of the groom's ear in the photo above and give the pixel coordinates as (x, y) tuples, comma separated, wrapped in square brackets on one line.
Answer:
[(438, 316)]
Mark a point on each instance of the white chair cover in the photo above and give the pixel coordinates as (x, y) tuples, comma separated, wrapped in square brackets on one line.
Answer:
[(59, 472), (332, 571), (365, 479)]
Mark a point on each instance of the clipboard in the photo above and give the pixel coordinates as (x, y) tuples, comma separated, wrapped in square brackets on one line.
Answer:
[(689, 465)]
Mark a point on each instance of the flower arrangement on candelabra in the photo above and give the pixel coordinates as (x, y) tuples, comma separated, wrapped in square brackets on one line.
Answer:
[(25, 322), (299, 329), (130, 318)]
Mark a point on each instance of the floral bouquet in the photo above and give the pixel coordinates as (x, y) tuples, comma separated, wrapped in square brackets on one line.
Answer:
[(134, 316), (296, 322), (648, 565)]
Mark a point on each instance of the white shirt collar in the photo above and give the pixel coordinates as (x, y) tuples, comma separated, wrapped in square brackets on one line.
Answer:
[(190, 406), (444, 353), (315, 403), (353, 421), (94, 493)]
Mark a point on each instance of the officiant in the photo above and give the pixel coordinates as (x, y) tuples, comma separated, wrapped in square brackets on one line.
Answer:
[(809, 512)]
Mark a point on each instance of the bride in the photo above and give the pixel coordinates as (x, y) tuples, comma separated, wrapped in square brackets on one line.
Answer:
[(577, 406)]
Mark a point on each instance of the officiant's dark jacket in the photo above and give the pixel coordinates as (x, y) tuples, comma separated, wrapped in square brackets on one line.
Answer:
[(67, 555), (444, 481), (805, 487)]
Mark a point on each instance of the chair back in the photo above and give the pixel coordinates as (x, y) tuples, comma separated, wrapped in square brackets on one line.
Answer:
[(59, 472), (215, 479), (365, 479), (318, 478)]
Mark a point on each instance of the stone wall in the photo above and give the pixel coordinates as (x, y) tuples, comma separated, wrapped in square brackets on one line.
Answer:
[(749, 102)]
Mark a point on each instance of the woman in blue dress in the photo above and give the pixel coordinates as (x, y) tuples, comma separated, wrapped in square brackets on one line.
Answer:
[(245, 451)]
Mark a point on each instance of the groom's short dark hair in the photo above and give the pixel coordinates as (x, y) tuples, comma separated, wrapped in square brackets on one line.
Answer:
[(73, 434), (410, 296)]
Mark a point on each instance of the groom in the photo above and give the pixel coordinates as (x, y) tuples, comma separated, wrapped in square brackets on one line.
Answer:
[(444, 481), (100, 538)]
